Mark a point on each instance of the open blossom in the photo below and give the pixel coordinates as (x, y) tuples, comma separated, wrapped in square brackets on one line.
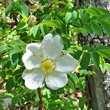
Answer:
[(44, 62)]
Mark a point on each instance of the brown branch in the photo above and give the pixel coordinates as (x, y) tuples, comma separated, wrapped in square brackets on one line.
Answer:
[(20, 106), (11, 24), (50, 5), (15, 17), (40, 97)]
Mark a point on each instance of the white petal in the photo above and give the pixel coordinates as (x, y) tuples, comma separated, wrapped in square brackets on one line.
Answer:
[(52, 46), (34, 48), (56, 80), (66, 63), (31, 61), (33, 78), (33, 56)]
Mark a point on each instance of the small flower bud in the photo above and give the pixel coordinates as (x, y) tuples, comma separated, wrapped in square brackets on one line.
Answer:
[(31, 20)]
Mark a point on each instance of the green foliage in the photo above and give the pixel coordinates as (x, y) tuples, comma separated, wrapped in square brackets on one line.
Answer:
[(106, 27), (96, 28), (35, 32), (68, 22), (103, 51), (85, 60), (95, 59), (24, 9), (68, 17), (51, 23), (84, 72)]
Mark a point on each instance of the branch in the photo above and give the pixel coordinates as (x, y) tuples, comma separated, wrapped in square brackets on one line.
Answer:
[(50, 5), (40, 97), (15, 17)]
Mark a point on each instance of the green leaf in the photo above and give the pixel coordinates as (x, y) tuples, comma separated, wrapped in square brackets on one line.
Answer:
[(74, 15), (107, 66), (86, 18), (21, 25), (106, 26), (103, 51), (102, 11), (61, 2), (3, 74), (104, 17), (9, 72), (1, 101), (22, 100), (15, 100), (51, 23), (9, 84), (68, 17), (71, 83), (73, 76), (85, 60), (9, 7), (16, 49), (77, 54), (35, 31), (84, 72), (24, 17), (3, 48), (101, 48), (95, 59), (102, 64), (17, 42), (1, 106), (88, 28), (14, 59), (85, 47), (96, 11), (5, 62), (83, 31), (82, 102), (47, 17), (93, 11), (24, 9), (44, 29), (66, 42), (96, 28)]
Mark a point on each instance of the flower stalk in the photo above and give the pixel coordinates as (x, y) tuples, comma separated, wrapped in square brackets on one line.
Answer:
[(40, 98)]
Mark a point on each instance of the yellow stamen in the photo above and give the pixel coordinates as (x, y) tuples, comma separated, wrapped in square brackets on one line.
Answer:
[(48, 66)]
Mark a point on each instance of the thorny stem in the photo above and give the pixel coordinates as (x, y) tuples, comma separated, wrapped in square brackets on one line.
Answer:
[(15, 17), (40, 97)]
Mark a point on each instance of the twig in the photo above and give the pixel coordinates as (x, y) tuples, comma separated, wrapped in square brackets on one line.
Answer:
[(15, 17), (40, 97), (50, 5), (20, 106)]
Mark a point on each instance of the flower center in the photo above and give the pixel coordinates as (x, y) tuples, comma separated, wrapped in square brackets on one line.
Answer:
[(47, 66)]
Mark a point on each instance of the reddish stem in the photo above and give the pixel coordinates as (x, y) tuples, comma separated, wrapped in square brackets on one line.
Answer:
[(40, 97)]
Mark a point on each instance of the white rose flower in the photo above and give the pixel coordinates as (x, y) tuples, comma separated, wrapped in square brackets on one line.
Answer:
[(45, 62)]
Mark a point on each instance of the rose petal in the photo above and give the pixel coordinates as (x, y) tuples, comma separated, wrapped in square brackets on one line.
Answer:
[(56, 80), (66, 63), (52, 46), (34, 48), (33, 56), (33, 78)]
